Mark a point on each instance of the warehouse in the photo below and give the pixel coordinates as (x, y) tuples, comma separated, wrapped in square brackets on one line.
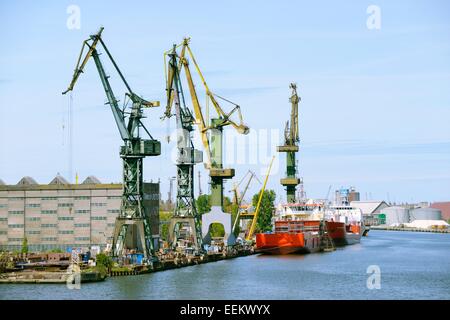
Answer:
[(60, 215)]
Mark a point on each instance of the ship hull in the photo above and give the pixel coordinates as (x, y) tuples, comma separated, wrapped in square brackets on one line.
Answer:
[(284, 243), (341, 236)]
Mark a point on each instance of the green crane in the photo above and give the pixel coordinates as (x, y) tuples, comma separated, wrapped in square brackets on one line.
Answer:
[(133, 151), (290, 146), (212, 143), (185, 212)]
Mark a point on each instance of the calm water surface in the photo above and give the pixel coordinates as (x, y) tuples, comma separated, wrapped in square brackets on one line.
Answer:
[(413, 266)]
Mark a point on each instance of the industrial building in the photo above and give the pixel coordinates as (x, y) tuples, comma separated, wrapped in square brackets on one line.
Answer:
[(444, 207), (371, 211), (63, 215)]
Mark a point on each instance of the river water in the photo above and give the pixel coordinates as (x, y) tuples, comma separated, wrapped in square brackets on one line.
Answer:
[(412, 265)]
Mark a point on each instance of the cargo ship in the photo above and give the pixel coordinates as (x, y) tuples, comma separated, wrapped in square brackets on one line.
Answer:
[(296, 228), (344, 225), (290, 236)]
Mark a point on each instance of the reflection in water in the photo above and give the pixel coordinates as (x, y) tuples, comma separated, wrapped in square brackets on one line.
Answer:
[(413, 266)]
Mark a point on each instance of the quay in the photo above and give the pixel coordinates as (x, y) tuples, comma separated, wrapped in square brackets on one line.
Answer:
[(409, 229), (46, 274)]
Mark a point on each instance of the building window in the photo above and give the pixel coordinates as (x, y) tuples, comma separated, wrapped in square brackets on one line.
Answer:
[(99, 204), (33, 205), (114, 197), (3, 219), (3, 232), (49, 239), (113, 210), (33, 232), (16, 212), (48, 225), (15, 239), (65, 205), (15, 198), (82, 238), (34, 219), (82, 225), (48, 211), (49, 198), (82, 211), (15, 226), (65, 232), (111, 224), (3, 205), (82, 198), (98, 218), (65, 218)]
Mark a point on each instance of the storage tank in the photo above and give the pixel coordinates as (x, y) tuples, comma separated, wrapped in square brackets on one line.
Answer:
[(425, 214), (396, 215)]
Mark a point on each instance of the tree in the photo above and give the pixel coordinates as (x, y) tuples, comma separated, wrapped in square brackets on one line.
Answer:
[(103, 263), (264, 222), (25, 245), (203, 204)]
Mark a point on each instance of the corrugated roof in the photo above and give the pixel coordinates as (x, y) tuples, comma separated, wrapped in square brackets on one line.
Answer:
[(59, 180), (368, 207), (91, 180), (444, 207), (27, 181)]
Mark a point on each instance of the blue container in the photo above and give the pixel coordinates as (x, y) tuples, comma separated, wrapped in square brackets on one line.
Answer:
[(139, 258)]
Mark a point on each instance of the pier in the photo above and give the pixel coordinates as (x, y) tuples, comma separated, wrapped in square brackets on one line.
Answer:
[(409, 229)]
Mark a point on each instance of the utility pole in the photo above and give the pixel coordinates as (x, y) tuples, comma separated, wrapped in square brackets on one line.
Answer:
[(171, 180), (199, 183)]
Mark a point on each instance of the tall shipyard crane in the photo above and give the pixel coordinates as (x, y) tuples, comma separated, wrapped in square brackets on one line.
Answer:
[(185, 212), (290, 147), (133, 151), (212, 142)]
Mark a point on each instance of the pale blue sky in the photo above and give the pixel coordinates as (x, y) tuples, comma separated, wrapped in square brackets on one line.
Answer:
[(375, 104)]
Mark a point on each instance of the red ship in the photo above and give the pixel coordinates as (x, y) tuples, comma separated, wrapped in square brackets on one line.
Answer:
[(290, 236), (297, 228)]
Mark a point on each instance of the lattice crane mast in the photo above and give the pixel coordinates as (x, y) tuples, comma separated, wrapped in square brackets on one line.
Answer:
[(185, 212), (290, 147), (133, 151), (212, 143)]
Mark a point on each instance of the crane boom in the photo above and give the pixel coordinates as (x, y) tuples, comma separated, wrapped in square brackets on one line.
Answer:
[(185, 210), (255, 217), (134, 150)]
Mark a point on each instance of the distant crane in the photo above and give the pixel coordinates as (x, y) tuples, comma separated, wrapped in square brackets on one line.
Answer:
[(290, 147), (328, 194), (133, 151), (170, 197), (238, 198), (261, 193)]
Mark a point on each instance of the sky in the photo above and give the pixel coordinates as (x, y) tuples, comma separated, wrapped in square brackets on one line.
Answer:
[(374, 110)]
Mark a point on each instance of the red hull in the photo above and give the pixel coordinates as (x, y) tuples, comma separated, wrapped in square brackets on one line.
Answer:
[(285, 243), (342, 234)]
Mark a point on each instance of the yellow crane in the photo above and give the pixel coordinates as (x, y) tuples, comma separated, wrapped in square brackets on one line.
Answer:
[(255, 217), (238, 198), (213, 143)]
